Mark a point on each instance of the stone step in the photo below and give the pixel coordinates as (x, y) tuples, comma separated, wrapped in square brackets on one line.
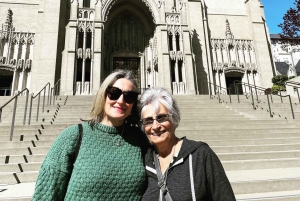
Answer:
[(16, 178), (256, 148), (42, 126), (264, 180), (20, 167), (17, 192), (208, 135), (25, 150), (271, 196), (20, 144), (235, 142), (249, 125), (260, 164), (214, 130), (259, 155), (8, 159)]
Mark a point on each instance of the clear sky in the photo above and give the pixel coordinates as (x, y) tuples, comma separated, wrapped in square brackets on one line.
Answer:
[(274, 11)]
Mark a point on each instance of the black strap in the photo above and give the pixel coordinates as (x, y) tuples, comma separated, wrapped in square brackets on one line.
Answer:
[(78, 142), (162, 179)]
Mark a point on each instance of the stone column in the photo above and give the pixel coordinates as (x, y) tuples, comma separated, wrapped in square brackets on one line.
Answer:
[(92, 63), (74, 9), (83, 60), (190, 79), (68, 60), (164, 76), (97, 54), (13, 87)]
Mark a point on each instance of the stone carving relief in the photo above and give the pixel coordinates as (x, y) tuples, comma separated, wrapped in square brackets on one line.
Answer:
[(86, 14), (28, 64), (231, 53), (173, 18), (7, 26), (17, 45)]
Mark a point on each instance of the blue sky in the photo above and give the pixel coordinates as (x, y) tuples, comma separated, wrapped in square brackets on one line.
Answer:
[(274, 11)]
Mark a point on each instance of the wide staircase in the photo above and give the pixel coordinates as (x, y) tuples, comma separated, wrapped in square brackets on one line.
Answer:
[(260, 154)]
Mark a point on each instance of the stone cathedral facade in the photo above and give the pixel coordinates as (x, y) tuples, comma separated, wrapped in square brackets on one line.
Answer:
[(186, 46)]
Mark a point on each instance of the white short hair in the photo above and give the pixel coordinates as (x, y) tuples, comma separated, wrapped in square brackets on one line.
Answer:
[(154, 96)]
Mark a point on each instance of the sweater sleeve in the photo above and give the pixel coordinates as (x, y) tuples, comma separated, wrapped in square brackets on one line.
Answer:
[(218, 184), (55, 172)]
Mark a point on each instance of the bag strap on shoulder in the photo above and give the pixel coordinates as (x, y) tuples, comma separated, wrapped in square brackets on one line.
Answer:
[(78, 142), (162, 179)]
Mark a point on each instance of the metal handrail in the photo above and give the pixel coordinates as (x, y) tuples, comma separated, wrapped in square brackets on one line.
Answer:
[(220, 91), (14, 111), (250, 88), (237, 82), (261, 88), (38, 107), (292, 84), (54, 91)]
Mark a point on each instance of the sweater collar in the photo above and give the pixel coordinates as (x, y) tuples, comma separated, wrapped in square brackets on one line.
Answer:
[(109, 129)]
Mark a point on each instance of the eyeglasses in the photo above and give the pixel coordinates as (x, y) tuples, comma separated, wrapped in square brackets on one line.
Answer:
[(161, 118), (114, 93)]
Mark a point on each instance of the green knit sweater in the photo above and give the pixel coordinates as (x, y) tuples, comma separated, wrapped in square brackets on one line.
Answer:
[(102, 171)]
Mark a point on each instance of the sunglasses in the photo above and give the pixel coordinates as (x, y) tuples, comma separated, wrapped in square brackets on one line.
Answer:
[(161, 118), (114, 93)]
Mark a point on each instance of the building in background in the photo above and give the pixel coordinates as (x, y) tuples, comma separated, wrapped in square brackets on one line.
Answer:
[(188, 47), (286, 56)]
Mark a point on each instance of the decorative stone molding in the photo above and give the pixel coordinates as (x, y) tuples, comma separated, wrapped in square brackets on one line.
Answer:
[(20, 64), (180, 55), (148, 66), (84, 25), (78, 88), (251, 67), (160, 3), (23, 38), (28, 64), (86, 13), (108, 4), (173, 55), (86, 88), (234, 69), (88, 53), (175, 88), (7, 27), (232, 53), (155, 60), (2, 60), (7, 67), (173, 18), (79, 53), (181, 88), (12, 62)]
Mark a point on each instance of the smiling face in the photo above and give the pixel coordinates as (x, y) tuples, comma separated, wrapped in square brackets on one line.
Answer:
[(158, 133), (115, 111)]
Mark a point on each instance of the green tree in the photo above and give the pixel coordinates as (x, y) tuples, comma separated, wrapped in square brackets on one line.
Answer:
[(291, 24), (279, 80)]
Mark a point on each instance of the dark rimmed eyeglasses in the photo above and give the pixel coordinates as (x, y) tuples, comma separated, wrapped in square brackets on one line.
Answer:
[(161, 118), (114, 93)]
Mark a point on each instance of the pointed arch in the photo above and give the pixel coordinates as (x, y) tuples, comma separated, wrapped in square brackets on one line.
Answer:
[(151, 4)]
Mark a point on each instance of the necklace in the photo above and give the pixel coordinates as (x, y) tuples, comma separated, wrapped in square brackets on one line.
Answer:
[(119, 141)]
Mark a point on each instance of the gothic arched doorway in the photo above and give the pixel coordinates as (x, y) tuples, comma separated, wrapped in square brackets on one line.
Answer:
[(129, 28), (6, 78), (231, 78)]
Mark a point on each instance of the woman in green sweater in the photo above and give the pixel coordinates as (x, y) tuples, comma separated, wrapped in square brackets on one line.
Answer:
[(109, 164)]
